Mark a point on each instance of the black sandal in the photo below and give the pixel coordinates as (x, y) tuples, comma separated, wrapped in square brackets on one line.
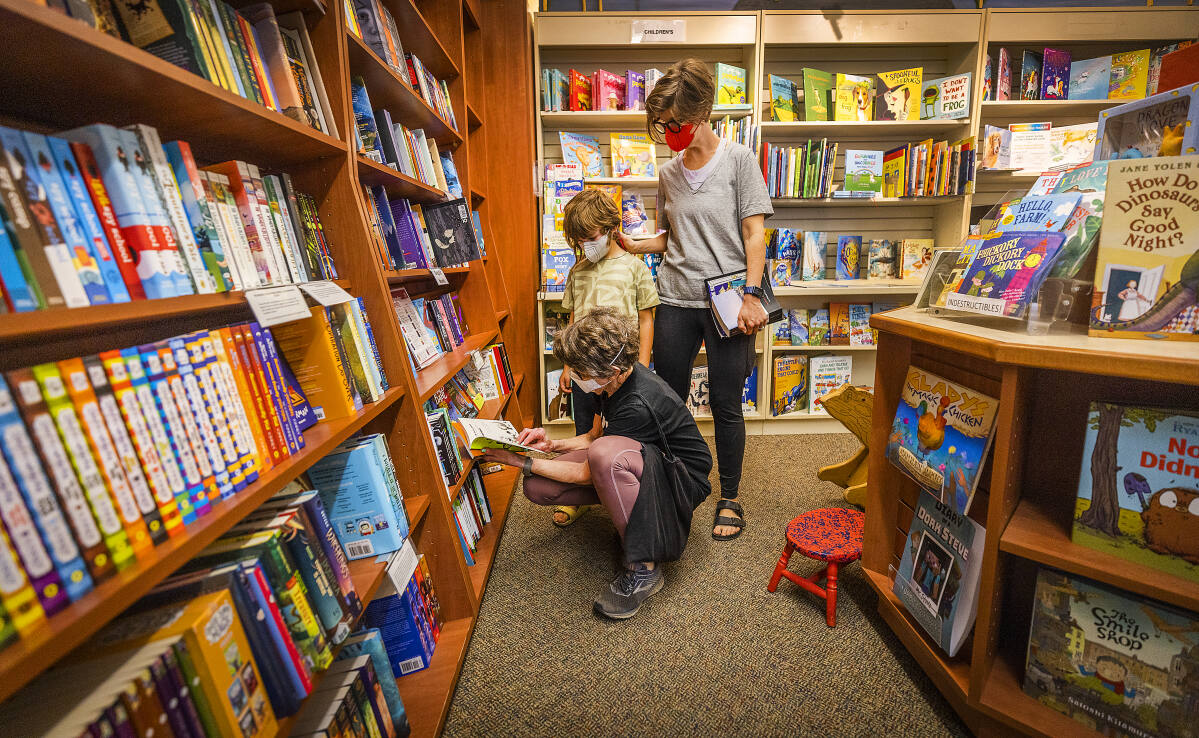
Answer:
[(739, 523)]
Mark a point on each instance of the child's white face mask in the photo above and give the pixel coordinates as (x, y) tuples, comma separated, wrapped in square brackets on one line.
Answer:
[(597, 249)]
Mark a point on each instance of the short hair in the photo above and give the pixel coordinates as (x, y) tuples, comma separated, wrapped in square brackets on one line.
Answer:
[(688, 88), (601, 342), (588, 212)]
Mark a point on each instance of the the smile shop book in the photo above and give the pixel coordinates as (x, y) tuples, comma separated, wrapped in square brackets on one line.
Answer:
[(479, 434)]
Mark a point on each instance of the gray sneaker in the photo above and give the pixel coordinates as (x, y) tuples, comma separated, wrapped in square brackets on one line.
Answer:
[(625, 595)]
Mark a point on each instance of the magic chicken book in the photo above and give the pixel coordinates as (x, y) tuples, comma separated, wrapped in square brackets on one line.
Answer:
[(941, 435)]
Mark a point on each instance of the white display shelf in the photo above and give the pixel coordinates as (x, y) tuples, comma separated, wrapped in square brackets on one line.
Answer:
[(876, 128), (821, 202), (1021, 108), (613, 119), (785, 347), (827, 287)]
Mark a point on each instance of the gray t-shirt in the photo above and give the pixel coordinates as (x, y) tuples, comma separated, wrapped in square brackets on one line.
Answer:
[(705, 225)]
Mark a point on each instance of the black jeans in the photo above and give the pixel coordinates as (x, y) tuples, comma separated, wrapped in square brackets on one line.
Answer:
[(678, 333)]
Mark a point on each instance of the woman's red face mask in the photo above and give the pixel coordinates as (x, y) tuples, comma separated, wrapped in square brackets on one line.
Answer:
[(682, 138)]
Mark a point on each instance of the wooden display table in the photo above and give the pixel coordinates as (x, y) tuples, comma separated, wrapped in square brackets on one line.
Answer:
[(1026, 494)]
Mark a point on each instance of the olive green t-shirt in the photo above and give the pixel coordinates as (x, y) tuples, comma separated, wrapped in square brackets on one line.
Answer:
[(622, 282)]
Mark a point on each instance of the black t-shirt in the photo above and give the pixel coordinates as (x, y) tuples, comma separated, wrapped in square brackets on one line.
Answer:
[(627, 416)]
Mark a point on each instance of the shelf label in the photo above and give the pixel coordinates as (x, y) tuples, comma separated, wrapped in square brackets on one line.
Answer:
[(659, 32), (326, 293), (438, 276), (275, 305)]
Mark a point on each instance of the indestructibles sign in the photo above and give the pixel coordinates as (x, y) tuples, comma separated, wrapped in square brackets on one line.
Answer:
[(659, 32)]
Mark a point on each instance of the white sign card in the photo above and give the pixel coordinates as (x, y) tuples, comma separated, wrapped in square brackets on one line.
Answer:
[(326, 293), (275, 305), (438, 276), (659, 32)]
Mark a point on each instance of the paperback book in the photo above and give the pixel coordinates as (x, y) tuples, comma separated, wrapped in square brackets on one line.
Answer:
[(899, 94), (817, 94), (854, 98), (783, 99), (1006, 273), (1055, 74), (1030, 76), (632, 155), (584, 150), (849, 251), (1130, 75), (1090, 78), (945, 98), (730, 85), (863, 171), (826, 374), (790, 384)]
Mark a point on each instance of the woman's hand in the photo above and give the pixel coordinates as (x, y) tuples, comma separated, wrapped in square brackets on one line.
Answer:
[(564, 382), (502, 456), (535, 438), (624, 241), (752, 316)]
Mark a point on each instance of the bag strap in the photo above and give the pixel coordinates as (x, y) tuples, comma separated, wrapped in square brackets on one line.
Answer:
[(661, 433)]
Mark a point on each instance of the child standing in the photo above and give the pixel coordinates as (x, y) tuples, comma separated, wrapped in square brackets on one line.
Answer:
[(604, 275)]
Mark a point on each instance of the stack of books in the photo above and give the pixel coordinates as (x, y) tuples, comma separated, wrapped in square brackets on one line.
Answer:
[(406, 612), (402, 237), (89, 229), (409, 151), (430, 327)]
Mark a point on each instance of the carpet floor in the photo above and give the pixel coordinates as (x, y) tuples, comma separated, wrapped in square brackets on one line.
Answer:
[(713, 653)]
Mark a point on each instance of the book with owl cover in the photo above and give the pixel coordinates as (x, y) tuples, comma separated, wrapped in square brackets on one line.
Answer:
[(584, 150), (1138, 488), (938, 574), (1118, 663), (451, 232), (1006, 273), (940, 436)]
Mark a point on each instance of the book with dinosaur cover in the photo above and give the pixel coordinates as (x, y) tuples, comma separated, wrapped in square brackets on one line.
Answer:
[(1117, 663), (1138, 488), (730, 85), (1006, 273), (899, 95), (938, 574), (941, 434), (1147, 270)]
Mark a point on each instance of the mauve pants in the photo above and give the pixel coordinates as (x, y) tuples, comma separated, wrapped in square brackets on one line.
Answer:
[(616, 466)]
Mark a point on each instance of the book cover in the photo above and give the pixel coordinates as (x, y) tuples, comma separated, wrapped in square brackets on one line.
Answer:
[(1039, 213), (18, 598), (1030, 76), (940, 436), (634, 90), (815, 255), (988, 92), (1055, 74), (895, 166), (580, 91), (779, 271), (854, 98), (699, 395), (1130, 75), (608, 91), (826, 373), (938, 574), (749, 393), (1178, 68), (1147, 272), (1070, 146), (730, 85), (817, 94), (1082, 227), (838, 321), (1119, 664), (849, 251), (1137, 488), (1006, 273), (311, 353), (451, 232), (633, 155), (1090, 79), (818, 327), (915, 256), (864, 170), (881, 259), (1003, 79), (790, 384), (899, 96), (1153, 80), (859, 325), (798, 320), (782, 99), (945, 97)]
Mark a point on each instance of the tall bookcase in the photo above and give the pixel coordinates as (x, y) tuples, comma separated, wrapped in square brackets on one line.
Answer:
[(60, 73)]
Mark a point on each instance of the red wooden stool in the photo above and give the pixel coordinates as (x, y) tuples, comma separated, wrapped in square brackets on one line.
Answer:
[(832, 535)]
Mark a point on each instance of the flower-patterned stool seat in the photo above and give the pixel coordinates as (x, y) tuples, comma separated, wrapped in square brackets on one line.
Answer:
[(832, 535)]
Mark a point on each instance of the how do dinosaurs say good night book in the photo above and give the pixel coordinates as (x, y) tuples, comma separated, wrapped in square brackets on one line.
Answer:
[(1138, 489), (1147, 271), (941, 435)]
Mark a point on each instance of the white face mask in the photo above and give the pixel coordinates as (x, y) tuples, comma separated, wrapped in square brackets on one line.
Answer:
[(596, 250), (594, 385)]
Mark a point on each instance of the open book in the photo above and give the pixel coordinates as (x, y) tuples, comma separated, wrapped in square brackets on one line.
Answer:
[(480, 434)]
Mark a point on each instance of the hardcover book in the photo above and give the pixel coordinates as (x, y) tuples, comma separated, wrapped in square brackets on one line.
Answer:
[(1039, 213), (1147, 272), (1055, 74), (634, 90), (915, 256), (1152, 85), (938, 574), (817, 94), (632, 155), (452, 233), (859, 325), (854, 98), (1082, 227), (1006, 273), (1090, 78), (1003, 78), (863, 171), (580, 91), (881, 259), (826, 373), (1030, 76), (940, 436), (1119, 664), (838, 322), (815, 255), (849, 252), (1130, 75), (818, 327), (730, 85), (798, 318), (608, 90), (790, 384), (945, 97), (899, 94), (988, 80)]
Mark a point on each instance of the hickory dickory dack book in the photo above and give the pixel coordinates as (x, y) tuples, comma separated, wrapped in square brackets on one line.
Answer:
[(1006, 273)]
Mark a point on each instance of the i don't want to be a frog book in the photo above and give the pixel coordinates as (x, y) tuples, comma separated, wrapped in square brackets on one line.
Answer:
[(941, 434), (937, 579), (1006, 272), (1147, 270), (1119, 664), (1138, 489)]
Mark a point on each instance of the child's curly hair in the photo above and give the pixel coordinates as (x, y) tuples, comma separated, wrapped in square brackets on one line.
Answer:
[(588, 212)]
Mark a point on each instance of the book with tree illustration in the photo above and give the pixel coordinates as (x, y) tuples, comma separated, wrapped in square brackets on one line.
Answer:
[(941, 434), (1138, 489), (1147, 268)]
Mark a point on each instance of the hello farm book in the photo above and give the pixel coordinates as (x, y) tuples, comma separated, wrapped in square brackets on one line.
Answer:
[(941, 434), (1006, 273), (1147, 267), (1138, 488)]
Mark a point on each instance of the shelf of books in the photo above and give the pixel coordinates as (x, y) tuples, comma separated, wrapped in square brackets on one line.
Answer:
[(285, 182)]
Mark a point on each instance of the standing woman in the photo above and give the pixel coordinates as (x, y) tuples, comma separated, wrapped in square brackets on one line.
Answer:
[(712, 203)]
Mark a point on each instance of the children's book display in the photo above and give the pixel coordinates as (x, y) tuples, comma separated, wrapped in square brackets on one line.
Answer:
[(1138, 488), (938, 574), (834, 324), (941, 434), (633, 155), (898, 95), (945, 98), (1033, 148), (826, 373), (1160, 125), (604, 90), (1006, 272), (1115, 662), (1053, 74), (584, 150)]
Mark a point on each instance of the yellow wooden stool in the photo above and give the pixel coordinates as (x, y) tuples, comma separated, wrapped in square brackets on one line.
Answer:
[(852, 407)]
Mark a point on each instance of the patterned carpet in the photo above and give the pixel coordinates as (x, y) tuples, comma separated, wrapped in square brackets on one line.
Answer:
[(712, 654)]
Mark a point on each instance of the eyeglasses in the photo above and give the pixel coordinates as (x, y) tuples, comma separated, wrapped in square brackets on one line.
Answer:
[(669, 125)]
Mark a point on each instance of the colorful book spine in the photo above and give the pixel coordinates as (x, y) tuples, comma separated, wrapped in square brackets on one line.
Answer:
[(263, 402), (17, 594), (246, 207), (123, 257), (274, 242), (21, 235), (237, 402), (264, 344), (193, 407), (199, 216), (15, 274), (172, 400), (202, 359)]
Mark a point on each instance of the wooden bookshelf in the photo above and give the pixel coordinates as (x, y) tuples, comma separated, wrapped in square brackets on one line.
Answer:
[(44, 86), (1045, 385)]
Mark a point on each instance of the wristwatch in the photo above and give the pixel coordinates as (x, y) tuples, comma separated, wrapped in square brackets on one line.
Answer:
[(757, 292), (527, 467)]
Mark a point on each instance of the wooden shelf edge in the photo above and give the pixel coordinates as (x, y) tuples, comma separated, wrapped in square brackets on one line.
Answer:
[(501, 315), (1032, 533), (61, 633), (415, 508), (500, 487), (929, 201), (427, 693), (399, 276), (429, 379), (428, 48), (472, 13), (373, 173), (1002, 698)]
